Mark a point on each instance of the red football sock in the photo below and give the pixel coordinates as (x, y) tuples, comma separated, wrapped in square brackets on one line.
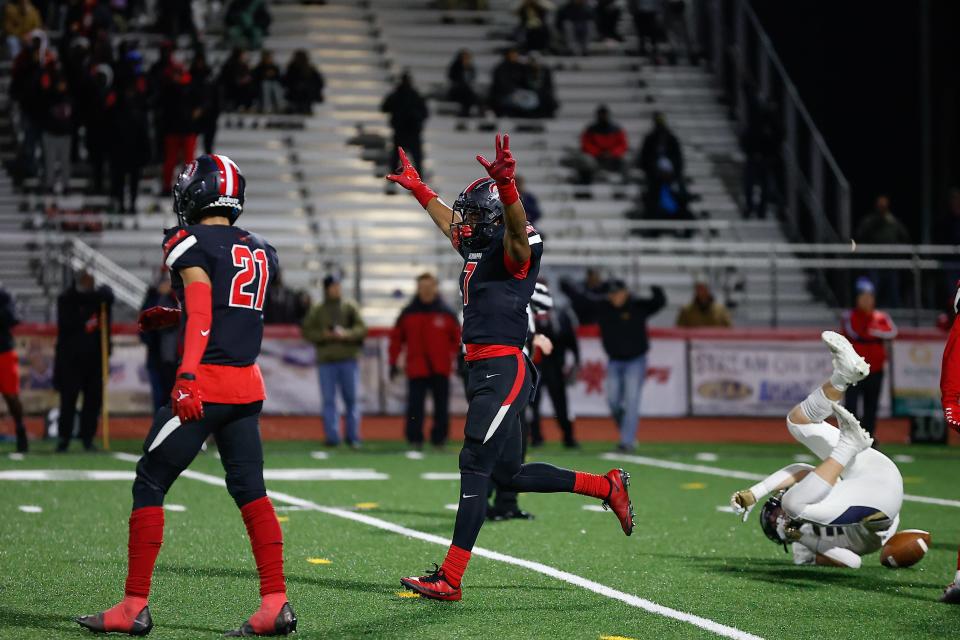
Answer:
[(120, 617), (590, 484), (266, 540), (455, 564), (265, 618), (143, 546)]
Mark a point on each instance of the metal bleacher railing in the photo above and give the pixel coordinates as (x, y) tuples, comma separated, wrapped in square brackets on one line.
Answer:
[(817, 194)]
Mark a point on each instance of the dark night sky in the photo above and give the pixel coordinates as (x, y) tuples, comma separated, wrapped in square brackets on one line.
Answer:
[(856, 64)]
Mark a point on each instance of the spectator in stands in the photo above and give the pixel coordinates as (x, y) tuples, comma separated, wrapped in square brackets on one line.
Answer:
[(161, 344), (182, 115), (336, 328), (25, 90), (660, 143), (603, 147), (285, 305), (623, 331), (462, 75), (948, 227), (868, 329), (175, 18), (428, 330), (592, 287), (236, 79), (530, 202), (881, 226), (159, 77), (677, 32), (646, 16), (128, 148), (10, 368), (408, 113), (607, 15), (81, 309), (268, 77), (534, 27), (540, 82), (247, 23), (509, 78), (704, 310), (58, 126), (303, 82), (206, 95), (760, 142), (666, 197), (20, 17), (99, 98), (573, 22)]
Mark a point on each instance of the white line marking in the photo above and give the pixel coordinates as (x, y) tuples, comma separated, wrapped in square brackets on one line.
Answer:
[(16, 456), (319, 455), (323, 474), (742, 475), (174, 507), (288, 508), (439, 476), (413, 455), (593, 507), (452, 507), (32, 508), (570, 578), (706, 456), (903, 458), (33, 475), (725, 508)]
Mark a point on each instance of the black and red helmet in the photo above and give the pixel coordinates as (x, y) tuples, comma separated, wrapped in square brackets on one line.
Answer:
[(210, 185), (481, 214)]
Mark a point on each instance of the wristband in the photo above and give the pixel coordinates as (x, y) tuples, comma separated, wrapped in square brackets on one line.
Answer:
[(508, 192), (423, 194)]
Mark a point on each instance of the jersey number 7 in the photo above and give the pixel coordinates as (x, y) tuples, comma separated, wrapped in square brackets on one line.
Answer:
[(249, 286), (468, 270)]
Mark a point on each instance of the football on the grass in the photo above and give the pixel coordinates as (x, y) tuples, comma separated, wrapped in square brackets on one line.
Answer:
[(905, 549)]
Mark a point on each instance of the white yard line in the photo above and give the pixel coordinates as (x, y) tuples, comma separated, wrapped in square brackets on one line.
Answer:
[(741, 475), (570, 578)]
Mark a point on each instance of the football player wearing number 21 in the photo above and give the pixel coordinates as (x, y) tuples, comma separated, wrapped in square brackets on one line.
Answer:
[(221, 274), (488, 227)]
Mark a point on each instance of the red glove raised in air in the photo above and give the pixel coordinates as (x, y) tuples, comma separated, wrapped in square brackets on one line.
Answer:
[(156, 318), (503, 170), (409, 179), (187, 404)]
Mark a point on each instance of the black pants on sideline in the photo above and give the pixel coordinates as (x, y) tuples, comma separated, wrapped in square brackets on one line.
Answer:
[(170, 447), (551, 377), (417, 388), (498, 390), (867, 391), (90, 384)]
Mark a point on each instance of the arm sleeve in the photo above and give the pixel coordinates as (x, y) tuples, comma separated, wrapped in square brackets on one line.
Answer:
[(196, 333), (771, 482), (653, 304)]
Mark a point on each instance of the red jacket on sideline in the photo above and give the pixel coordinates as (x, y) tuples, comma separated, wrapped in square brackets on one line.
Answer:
[(611, 141), (431, 335), (867, 332)]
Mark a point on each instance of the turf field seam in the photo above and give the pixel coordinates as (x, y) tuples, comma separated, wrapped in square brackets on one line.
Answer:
[(558, 574), (742, 475)]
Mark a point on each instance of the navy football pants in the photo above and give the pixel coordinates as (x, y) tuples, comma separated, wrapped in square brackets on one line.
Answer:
[(170, 447), (498, 389)]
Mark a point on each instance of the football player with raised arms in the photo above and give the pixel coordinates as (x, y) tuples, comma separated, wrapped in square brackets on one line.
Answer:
[(501, 251), (849, 505), (221, 274)]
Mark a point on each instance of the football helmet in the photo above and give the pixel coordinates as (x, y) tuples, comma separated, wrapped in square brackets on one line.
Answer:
[(481, 214), (210, 185), (775, 522)]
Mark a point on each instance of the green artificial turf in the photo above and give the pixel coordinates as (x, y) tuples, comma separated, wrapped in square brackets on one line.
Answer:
[(685, 554)]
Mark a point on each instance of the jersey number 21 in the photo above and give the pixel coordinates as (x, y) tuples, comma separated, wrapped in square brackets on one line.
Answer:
[(249, 286)]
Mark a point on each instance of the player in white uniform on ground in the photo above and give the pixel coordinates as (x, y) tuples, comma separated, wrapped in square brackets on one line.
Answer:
[(849, 505)]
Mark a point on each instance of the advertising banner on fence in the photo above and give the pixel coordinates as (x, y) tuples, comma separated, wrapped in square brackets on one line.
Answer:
[(758, 378), (916, 376)]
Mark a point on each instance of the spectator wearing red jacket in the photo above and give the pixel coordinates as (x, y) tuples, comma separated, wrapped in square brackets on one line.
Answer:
[(430, 332), (868, 329), (603, 145)]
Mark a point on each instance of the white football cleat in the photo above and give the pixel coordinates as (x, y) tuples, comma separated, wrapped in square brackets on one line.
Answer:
[(850, 430), (849, 367)]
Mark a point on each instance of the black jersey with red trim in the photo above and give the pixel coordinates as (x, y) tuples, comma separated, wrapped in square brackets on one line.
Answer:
[(241, 265), (496, 293)]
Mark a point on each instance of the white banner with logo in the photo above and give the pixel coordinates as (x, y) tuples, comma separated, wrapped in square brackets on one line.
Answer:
[(916, 376), (758, 378)]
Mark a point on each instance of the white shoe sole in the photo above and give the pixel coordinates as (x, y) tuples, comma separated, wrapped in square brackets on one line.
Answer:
[(850, 427), (852, 365)]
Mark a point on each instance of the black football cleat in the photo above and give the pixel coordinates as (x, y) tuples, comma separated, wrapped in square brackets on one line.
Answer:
[(141, 626), (285, 624), (433, 586), (951, 595), (619, 498)]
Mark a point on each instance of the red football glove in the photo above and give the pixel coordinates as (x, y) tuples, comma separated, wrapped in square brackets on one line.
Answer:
[(503, 170), (951, 412), (156, 318), (187, 404), (409, 179)]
